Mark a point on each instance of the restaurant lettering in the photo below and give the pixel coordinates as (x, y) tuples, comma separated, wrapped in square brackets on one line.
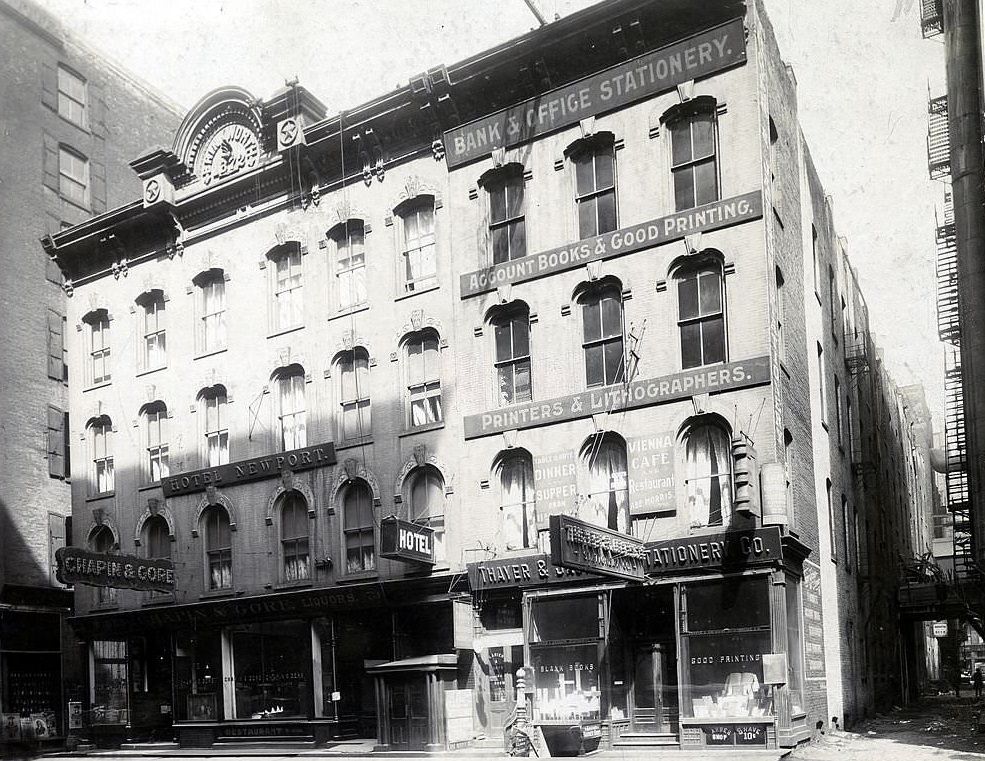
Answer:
[(97, 569), (555, 485), (650, 74), (712, 216), (652, 489), (255, 469), (644, 393)]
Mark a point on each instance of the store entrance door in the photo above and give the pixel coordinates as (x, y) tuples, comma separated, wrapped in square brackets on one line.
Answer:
[(408, 712), (655, 687)]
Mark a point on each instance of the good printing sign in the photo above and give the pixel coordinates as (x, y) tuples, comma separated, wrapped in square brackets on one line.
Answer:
[(97, 569)]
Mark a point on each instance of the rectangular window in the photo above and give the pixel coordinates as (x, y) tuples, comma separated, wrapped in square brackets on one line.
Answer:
[(71, 96), (846, 520), (849, 429), (420, 260), (694, 164), (506, 224), (823, 382), (795, 647), (57, 438), (213, 296), (102, 458), (603, 339), (350, 265), (595, 180), (356, 410), (56, 346), (839, 421), (157, 444), (292, 413), (701, 317), (154, 336), (513, 359), (833, 302), (817, 264), (287, 290), (99, 349), (781, 317), (832, 528), (216, 434), (73, 177), (109, 682), (424, 381), (360, 541), (270, 664)]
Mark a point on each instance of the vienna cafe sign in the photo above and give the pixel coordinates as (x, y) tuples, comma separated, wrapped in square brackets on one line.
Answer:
[(99, 569)]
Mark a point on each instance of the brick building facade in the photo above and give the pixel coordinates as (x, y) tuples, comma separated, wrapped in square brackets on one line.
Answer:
[(350, 373)]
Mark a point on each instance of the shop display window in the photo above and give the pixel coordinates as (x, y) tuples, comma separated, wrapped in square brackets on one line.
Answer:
[(795, 648), (727, 629), (566, 683), (565, 618), (197, 676), (272, 669), (109, 682)]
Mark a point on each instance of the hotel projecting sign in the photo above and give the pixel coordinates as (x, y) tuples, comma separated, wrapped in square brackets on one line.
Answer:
[(653, 73)]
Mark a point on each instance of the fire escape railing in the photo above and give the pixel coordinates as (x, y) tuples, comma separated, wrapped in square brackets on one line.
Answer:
[(931, 17), (938, 140)]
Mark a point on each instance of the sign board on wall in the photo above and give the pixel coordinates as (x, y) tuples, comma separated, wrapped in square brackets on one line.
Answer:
[(458, 716), (100, 569), (813, 626), (402, 540), (940, 628), (586, 547), (650, 74), (651, 459), (555, 484)]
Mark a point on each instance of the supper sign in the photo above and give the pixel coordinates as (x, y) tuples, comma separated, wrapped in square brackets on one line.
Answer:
[(586, 547), (402, 540), (100, 569)]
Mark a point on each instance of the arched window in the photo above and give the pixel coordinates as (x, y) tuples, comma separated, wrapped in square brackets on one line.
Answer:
[(211, 308), (420, 267), (356, 414), (507, 228), (153, 352), (604, 458), (512, 330), (101, 540), (602, 327), (216, 433), (291, 416), (157, 538), (157, 461), (287, 311), (294, 536), (701, 314), (694, 163), (218, 548), (594, 160), (516, 478), (97, 336), (100, 432), (425, 492), (423, 376), (350, 263), (359, 528), (708, 455)]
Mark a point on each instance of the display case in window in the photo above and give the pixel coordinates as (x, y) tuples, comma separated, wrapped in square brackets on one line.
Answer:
[(197, 676), (109, 682)]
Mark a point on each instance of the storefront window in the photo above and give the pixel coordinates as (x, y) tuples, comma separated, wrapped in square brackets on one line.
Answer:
[(565, 618), (727, 633), (272, 665), (795, 651), (197, 676), (109, 682)]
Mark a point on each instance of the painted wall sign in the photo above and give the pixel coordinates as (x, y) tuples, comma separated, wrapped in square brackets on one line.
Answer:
[(651, 461), (643, 393), (555, 484), (626, 240), (813, 622), (402, 540), (708, 551), (257, 468), (100, 569), (585, 547), (635, 80)]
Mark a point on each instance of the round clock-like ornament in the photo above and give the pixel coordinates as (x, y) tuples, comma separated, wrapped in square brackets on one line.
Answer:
[(229, 150)]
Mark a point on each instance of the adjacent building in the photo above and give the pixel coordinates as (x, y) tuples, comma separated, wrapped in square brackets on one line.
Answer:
[(71, 123), (388, 415)]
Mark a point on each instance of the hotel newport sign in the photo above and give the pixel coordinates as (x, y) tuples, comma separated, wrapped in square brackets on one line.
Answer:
[(661, 70), (402, 540), (99, 569), (712, 216), (269, 466), (586, 547), (643, 393)]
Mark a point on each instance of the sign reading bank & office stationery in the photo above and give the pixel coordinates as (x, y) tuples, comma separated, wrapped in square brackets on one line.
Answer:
[(255, 469), (100, 569), (626, 240), (585, 547), (643, 393), (650, 74)]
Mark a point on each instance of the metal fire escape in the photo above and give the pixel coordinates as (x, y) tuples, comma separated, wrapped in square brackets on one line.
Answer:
[(931, 17), (938, 139)]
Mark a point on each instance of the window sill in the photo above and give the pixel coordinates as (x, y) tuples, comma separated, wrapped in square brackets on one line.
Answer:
[(218, 594), (350, 443), (306, 584), (211, 353), (149, 486), (422, 429), (150, 370), (361, 576), (165, 599), (101, 495), (82, 127), (76, 204), (106, 606), (349, 312), (94, 386), (285, 331), (403, 296)]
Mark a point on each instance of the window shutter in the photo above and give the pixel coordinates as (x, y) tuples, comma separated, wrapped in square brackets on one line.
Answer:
[(97, 109), (50, 162), (67, 439), (56, 346), (56, 442), (97, 190), (56, 538), (49, 86)]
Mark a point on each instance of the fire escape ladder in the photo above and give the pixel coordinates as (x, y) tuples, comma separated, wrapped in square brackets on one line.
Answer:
[(938, 139), (931, 18)]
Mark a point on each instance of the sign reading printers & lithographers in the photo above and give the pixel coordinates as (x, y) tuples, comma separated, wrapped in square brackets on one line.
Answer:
[(626, 240), (651, 474), (402, 540), (643, 393), (100, 569), (255, 469), (555, 485), (585, 547), (650, 74)]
